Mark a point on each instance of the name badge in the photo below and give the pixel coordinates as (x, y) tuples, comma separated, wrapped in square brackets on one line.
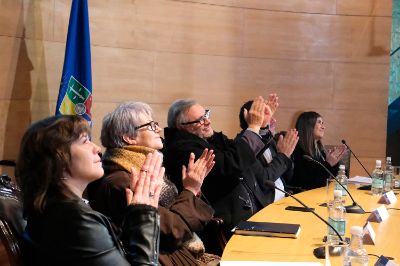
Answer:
[(369, 234), (378, 215), (388, 198)]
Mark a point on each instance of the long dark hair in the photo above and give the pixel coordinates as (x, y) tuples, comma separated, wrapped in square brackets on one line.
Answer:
[(305, 126), (44, 156)]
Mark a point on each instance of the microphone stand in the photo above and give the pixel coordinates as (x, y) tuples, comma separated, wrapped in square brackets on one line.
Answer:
[(347, 146), (319, 252), (354, 208)]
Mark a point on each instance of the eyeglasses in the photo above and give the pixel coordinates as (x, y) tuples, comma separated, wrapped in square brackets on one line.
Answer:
[(200, 120), (152, 125)]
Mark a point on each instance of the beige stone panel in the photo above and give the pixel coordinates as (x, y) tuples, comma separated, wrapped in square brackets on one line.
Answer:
[(159, 25), (11, 17), (363, 130), (9, 54), (188, 28), (30, 69), (122, 75), (368, 162), (16, 117), (365, 7), (361, 86), (307, 6), (111, 23), (316, 37), (235, 80), (38, 20), (27, 18), (297, 83), (208, 79)]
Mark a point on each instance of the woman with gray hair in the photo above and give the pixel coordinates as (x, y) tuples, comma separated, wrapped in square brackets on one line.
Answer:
[(129, 133)]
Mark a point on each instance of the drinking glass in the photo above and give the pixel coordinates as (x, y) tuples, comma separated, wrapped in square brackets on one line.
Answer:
[(334, 252)]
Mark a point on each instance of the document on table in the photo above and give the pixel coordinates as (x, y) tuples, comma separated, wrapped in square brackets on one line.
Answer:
[(360, 180)]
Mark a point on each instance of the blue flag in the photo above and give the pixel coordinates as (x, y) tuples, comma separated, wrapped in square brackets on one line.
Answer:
[(75, 95)]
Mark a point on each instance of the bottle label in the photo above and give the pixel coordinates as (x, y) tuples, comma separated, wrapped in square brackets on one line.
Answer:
[(339, 187), (339, 225), (377, 183)]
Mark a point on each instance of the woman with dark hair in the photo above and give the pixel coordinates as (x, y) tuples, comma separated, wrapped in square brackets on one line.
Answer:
[(56, 162), (308, 175)]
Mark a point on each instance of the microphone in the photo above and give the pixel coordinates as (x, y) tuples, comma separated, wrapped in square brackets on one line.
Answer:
[(319, 252), (344, 142), (354, 208)]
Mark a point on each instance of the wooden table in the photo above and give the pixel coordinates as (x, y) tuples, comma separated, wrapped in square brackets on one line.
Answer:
[(259, 248)]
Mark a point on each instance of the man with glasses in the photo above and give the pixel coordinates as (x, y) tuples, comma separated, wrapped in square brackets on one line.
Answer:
[(189, 130)]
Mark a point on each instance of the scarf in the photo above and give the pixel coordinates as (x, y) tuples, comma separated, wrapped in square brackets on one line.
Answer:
[(134, 156)]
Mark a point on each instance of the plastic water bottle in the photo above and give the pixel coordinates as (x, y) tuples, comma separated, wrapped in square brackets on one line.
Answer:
[(355, 254), (342, 178), (377, 179), (388, 175), (337, 217)]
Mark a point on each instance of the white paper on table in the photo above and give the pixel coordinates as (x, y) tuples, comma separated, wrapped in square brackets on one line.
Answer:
[(268, 263), (360, 180)]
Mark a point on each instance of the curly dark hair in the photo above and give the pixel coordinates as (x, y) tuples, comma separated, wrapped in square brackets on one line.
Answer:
[(44, 156)]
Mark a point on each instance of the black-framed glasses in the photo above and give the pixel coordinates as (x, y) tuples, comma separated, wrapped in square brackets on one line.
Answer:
[(200, 120), (152, 125)]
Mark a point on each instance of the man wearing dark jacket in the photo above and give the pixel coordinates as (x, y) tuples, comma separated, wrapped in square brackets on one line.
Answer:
[(274, 164), (189, 130)]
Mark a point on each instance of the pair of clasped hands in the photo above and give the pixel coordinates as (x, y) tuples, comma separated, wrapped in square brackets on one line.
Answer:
[(260, 115), (145, 186)]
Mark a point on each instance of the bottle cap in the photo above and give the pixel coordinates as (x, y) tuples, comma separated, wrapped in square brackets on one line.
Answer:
[(388, 159), (342, 167), (337, 193), (378, 163), (356, 230)]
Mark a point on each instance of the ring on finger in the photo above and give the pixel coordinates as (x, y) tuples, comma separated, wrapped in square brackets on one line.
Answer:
[(151, 194)]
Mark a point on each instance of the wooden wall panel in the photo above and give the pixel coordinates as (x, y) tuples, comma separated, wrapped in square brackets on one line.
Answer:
[(365, 7), (307, 6), (330, 56), (122, 74), (361, 87), (316, 37), (332, 7), (11, 16)]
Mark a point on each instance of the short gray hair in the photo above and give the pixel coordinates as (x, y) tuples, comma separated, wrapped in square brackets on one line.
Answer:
[(122, 121), (176, 112)]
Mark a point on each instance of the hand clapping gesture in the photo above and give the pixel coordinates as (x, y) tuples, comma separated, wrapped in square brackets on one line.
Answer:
[(255, 116), (146, 185), (194, 174), (287, 144), (273, 104), (334, 155)]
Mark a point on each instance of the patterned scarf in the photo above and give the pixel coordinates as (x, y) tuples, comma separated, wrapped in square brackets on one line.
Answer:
[(134, 156)]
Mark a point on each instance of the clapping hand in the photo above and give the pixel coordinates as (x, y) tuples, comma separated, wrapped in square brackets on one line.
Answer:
[(255, 116), (334, 155), (194, 174), (287, 144), (273, 104), (146, 185)]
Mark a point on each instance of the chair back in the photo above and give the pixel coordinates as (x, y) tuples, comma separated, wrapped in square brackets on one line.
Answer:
[(12, 223)]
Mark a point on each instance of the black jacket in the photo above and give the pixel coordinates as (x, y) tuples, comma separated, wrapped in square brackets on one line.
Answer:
[(309, 175), (69, 232), (225, 187), (261, 171)]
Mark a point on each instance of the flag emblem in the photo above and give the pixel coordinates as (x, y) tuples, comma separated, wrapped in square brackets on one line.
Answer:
[(77, 100)]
